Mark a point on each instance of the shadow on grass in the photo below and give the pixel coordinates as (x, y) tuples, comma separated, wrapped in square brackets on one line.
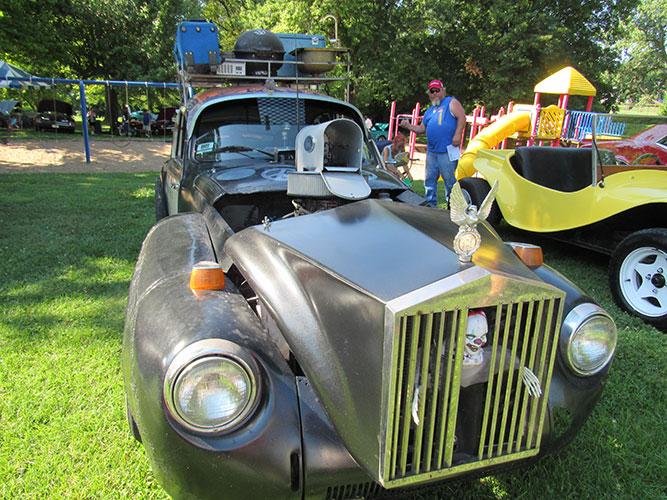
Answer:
[(68, 251)]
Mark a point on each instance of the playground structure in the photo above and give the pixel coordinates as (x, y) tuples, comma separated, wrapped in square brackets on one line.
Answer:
[(18, 81), (526, 124)]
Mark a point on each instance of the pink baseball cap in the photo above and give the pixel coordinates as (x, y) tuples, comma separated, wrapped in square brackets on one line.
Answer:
[(435, 84)]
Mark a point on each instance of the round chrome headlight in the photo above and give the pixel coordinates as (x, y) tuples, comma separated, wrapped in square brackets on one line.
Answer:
[(588, 339), (211, 386)]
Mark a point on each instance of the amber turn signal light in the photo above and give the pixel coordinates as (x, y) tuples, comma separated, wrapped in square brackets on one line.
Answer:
[(207, 275), (531, 255)]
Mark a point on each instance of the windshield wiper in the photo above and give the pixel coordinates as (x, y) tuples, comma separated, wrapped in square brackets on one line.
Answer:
[(239, 149)]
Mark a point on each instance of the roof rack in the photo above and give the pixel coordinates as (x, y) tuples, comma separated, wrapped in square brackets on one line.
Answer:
[(294, 60), (233, 71)]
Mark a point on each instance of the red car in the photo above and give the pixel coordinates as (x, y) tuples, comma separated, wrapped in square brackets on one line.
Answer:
[(647, 147), (165, 121)]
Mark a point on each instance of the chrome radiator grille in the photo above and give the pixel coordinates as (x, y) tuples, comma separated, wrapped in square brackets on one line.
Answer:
[(440, 421)]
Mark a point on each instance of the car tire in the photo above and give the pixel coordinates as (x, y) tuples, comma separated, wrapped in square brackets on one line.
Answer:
[(637, 274), (160, 205), (475, 190)]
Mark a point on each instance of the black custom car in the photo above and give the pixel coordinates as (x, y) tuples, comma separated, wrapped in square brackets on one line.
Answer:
[(298, 323), (53, 114)]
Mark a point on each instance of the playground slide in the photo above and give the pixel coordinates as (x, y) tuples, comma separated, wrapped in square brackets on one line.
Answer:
[(516, 121)]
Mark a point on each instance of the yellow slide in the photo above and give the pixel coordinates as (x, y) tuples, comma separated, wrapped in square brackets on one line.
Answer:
[(516, 121)]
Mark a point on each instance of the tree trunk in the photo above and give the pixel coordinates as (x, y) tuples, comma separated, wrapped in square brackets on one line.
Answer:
[(113, 109)]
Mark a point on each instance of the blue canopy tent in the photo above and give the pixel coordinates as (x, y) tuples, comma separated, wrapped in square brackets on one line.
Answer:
[(9, 71), (6, 107)]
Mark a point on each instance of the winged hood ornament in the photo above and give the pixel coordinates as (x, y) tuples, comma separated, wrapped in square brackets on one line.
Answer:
[(467, 216)]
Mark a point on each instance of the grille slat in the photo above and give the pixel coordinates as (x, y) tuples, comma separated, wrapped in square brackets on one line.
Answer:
[(399, 390), (446, 394), (436, 387), (518, 384), (553, 323), (446, 420), (510, 373), (489, 390), (524, 391), (455, 389), (499, 379), (409, 393), (422, 388)]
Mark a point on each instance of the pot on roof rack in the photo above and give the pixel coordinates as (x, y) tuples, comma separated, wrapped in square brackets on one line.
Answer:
[(262, 45)]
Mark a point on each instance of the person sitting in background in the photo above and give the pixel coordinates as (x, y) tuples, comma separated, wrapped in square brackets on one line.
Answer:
[(390, 153)]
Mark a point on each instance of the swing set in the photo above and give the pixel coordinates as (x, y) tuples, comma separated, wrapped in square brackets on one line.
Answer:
[(82, 94)]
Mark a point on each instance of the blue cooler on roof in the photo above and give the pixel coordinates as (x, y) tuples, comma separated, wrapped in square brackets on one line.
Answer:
[(292, 42), (197, 48)]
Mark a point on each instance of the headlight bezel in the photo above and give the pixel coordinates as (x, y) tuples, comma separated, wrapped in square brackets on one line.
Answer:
[(197, 353), (578, 317)]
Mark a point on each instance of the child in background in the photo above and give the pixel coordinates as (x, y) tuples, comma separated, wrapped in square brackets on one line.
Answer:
[(395, 157)]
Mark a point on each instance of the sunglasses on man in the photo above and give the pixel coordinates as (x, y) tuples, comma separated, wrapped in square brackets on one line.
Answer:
[(434, 91)]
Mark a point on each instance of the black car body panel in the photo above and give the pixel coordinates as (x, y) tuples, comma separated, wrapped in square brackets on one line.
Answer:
[(273, 433), (53, 114), (340, 394)]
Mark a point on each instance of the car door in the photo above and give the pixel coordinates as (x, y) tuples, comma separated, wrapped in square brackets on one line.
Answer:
[(174, 170)]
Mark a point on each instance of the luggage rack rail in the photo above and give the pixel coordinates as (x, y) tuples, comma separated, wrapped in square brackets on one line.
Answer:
[(231, 71)]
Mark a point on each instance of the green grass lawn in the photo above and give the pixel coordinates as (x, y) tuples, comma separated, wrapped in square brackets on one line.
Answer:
[(68, 246)]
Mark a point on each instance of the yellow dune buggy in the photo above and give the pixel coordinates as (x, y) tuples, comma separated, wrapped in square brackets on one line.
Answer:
[(584, 196)]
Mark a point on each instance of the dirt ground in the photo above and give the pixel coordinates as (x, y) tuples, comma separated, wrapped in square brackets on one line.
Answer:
[(67, 155)]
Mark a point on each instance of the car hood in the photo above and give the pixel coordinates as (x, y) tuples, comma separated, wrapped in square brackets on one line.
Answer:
[(248, 177), (51, 105), (335, 281)]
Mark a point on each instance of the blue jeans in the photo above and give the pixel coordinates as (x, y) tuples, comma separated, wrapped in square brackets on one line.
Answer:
[(438, 164)]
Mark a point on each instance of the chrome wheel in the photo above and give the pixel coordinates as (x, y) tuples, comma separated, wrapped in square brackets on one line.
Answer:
[(638, 275), (642, 281)]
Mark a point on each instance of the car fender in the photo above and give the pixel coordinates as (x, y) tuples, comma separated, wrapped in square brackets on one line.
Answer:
[(164, 316), (531, 207)]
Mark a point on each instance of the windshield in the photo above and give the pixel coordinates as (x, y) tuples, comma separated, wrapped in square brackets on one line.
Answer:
[(264, 127)]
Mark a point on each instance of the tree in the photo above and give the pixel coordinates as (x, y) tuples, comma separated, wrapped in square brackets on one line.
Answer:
[(642, 75), (94, 39), (486, 51), (490, 52)]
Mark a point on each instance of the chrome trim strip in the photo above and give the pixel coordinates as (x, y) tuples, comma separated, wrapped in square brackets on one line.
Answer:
[(437, 289)]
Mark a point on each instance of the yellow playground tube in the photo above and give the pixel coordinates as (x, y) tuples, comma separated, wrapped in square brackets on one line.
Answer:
[(516, 121)]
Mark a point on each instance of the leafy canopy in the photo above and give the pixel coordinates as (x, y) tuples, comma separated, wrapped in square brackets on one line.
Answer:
[(486, 51)]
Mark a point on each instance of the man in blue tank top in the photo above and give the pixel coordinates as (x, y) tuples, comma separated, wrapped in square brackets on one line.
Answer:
[(443, 123)]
